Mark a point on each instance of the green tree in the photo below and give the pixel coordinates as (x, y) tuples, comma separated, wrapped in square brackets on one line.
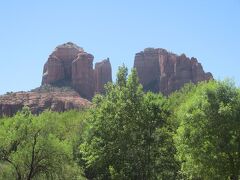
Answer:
[(34, 147), (128, 135), (208, 138), (159, 145)]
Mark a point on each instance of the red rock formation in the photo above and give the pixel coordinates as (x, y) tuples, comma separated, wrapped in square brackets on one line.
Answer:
[(102, 75), (53, 70), (161, 71), (82, 75), (55, 100), (158, 70), (70, 66), (147, 66), (58, 68)]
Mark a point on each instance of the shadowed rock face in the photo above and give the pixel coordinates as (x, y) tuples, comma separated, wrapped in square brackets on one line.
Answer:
[(38, 101), (82, 75), (58, 67), (161, 71), (102, 75), (69, 65)]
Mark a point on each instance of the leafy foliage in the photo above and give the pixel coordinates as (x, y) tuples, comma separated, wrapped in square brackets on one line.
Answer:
[(33, 147), (129, 136), (208, 138)]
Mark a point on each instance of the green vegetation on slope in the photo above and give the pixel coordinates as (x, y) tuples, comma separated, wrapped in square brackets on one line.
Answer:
[(40, 147), (129, 134)]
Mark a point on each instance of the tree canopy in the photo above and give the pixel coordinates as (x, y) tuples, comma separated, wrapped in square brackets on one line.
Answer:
[(208, 137), (129, 136), (38, 147)]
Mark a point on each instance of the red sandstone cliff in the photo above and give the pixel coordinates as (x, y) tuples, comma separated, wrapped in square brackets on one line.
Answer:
[(69, 65), (82, 75), (161, 71), (55, 99), (102, 75), (58, 67)]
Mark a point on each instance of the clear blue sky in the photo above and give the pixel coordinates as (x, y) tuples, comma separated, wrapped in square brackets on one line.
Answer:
[(29, 31)]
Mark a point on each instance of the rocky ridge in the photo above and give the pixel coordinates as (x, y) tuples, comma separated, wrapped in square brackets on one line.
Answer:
[(162, 71), (52, 98), (69, 77)]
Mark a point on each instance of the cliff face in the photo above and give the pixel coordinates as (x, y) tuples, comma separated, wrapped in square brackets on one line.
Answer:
[(82, 75), (58, 68), (161, 71), (54, 99), (158, 70), (69, 65), (102, 75)]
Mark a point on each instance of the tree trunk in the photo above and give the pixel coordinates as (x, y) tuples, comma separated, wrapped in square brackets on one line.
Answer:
[(234, 177), (30, 175)]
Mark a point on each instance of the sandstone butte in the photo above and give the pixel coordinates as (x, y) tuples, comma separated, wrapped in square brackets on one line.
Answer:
[(70, 65), (69, 80), (161, 71)]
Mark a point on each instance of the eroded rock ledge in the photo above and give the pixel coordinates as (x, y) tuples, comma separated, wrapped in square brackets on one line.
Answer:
[(46, 97)]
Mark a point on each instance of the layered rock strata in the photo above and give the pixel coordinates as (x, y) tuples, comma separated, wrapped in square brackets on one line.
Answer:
[(162, 71), (39, 101)]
